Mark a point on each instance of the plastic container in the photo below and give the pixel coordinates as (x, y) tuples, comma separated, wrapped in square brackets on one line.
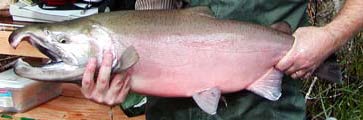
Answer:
[(18, 94)]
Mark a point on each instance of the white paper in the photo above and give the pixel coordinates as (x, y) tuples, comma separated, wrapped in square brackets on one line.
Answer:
[(22, 12), (66, 13)]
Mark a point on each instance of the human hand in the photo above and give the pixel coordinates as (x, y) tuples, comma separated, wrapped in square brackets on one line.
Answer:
[(103, 90), (311, 47)]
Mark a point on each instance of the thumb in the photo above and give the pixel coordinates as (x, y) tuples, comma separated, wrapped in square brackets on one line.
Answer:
[(288, 60), (285, 62)]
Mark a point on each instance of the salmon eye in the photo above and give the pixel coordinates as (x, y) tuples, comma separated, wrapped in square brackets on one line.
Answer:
[(62, 41), (61, 38)]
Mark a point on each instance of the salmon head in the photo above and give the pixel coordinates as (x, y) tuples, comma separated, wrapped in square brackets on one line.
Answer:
[(69, 46)]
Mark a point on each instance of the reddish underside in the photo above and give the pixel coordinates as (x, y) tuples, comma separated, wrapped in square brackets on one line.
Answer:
[(180, 68)]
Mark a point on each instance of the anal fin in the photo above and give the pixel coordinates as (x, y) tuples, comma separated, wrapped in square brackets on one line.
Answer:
[(208, 100), (269, 85)]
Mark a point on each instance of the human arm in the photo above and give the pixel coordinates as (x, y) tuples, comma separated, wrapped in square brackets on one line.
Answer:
[(314, 44)]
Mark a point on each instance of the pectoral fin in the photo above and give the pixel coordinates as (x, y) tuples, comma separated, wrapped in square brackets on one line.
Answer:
[(268, 86), (208, 100), (128, 58)]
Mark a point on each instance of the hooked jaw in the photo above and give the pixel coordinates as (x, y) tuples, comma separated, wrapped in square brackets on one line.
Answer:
[(56, 70), (16, 37)]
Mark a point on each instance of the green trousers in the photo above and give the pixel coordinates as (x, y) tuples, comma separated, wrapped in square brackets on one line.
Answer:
[(242, 105)]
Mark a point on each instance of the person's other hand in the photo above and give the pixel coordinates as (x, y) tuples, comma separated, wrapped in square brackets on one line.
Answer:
[(311, 47), (104, 90)]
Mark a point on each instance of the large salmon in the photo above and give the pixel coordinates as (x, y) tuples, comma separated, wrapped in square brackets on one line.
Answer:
[(174, 53)]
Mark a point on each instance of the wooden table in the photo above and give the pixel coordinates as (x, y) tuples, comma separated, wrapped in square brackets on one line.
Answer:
[(71, 104)]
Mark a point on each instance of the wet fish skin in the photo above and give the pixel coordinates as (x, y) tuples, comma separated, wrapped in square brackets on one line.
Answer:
[(174, 53)]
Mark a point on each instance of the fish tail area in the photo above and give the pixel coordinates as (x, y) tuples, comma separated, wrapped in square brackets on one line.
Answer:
[(268, 86), (330, 70), (208, 100)]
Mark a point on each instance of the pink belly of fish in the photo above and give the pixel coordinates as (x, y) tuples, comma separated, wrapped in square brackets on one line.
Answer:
[(175, 71)]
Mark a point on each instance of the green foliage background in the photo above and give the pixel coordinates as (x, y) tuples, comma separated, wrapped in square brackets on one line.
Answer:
[(326, 100)]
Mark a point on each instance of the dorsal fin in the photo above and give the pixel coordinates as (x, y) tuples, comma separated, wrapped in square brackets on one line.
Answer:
[(201, 10)]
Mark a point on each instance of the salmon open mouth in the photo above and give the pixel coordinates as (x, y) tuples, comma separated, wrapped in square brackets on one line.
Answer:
[(54, 56), (59, 68)]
